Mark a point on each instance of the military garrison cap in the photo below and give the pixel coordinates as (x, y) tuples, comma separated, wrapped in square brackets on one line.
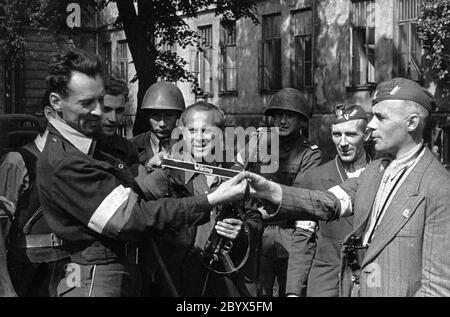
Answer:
[(346, 113), (404, 89)]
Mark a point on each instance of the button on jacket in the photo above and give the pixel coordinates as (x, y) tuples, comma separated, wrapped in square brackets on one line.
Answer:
[(90, 199), (409, 253)]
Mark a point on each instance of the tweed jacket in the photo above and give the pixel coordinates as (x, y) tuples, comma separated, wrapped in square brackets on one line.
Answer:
[(409, 254)]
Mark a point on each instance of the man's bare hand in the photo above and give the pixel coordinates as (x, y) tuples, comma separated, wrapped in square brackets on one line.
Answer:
[(229, 228), (262, 188), (231, 190), (156, 160)]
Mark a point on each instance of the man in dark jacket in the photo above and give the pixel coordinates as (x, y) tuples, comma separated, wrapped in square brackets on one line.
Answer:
[(348, 132), (35, 258), (288, 109), (182, 249), (162, 106), (90, 198), (108, 140)]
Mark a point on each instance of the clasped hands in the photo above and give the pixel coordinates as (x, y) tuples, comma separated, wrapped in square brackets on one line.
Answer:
[(234, 189)]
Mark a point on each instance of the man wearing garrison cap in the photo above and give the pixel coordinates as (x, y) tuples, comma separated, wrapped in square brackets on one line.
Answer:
[(320, 276), (400, 242)]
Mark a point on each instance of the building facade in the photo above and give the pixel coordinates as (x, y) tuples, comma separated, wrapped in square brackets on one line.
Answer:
[(335, 51)]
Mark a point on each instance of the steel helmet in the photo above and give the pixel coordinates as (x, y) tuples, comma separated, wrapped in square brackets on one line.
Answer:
[(289, 99), (163, 96)]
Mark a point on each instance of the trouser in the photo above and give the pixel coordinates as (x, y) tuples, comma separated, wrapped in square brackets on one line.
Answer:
[(36, 279), (276, 242), (101, 280)]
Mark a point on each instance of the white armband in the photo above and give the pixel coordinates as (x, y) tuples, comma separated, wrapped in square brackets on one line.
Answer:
[(344, 200)]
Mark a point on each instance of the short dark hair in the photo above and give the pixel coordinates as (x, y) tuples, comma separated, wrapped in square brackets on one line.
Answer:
[(63, 63), (205, 106), (116, 87)]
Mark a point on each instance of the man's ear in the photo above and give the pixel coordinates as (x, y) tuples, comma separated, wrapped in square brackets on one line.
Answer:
[(413, 122), (55, 101)]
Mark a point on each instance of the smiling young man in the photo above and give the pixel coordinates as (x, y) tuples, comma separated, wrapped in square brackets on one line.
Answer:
[(182, 249), (90, 199), (400, 238), (288, 109), (320, 276), (108, 140)]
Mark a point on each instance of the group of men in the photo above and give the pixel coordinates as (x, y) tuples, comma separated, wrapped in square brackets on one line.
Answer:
[(87, 212)]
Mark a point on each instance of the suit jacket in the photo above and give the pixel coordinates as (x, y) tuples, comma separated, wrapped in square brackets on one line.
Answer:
[(409, 254), (323, 278), (182, 257)]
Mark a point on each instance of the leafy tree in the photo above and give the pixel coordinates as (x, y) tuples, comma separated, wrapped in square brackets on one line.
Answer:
[(157, 24), (434, 31), (149, 30)]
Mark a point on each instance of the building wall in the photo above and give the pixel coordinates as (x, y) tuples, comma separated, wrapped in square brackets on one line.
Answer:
[(332, 63), (112, 35), (30, 72)]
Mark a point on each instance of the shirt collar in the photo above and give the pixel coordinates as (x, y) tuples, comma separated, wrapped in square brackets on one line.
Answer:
[(154, 143), (40, 140), (399, 163), (80, 141)]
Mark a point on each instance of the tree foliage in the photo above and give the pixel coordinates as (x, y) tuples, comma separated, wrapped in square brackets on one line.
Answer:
[(150, 26), (434, 31)]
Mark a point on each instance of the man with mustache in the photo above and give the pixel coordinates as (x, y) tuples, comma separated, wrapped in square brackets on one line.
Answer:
[(288, 109), (91, 201), (320, 277), (400, 238)]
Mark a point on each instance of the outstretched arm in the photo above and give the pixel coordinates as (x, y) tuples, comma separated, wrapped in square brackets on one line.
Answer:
[(299, 203)]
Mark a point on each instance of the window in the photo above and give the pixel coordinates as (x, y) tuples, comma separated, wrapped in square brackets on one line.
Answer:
[(270, 53), (228, 71), (302, 70), (363, 42), (107, 58), (122, 60), (203, 61), (409, 48)]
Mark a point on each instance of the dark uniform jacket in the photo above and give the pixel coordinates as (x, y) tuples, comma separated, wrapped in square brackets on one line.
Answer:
[(182, 256), (323, 277), (120, 148), (91, 201), (296, 155)]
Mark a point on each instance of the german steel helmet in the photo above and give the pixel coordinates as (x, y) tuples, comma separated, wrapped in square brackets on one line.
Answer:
[(289, 99), (163, 96)]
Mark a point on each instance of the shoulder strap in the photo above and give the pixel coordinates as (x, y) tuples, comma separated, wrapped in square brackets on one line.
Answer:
[(30, 158), (305, 145), (30, 154)]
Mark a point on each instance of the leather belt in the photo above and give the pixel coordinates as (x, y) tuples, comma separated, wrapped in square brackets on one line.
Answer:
[(36, 241)]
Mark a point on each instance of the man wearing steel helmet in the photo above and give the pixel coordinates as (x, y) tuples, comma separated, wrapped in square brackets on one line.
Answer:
[(400, 239), (163, 104), (91, 201), (289, 111)]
